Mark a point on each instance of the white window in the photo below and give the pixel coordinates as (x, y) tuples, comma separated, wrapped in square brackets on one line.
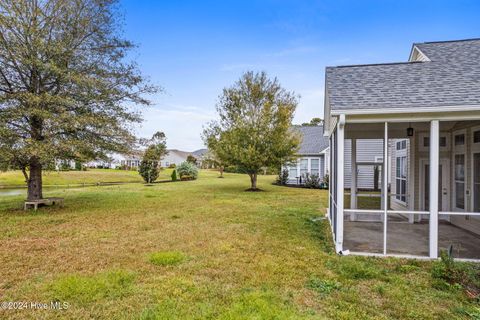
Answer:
[(315, 167), (303, 167), (401, 179), (460, 181), (425, 142), (459, 160), (292, 171)]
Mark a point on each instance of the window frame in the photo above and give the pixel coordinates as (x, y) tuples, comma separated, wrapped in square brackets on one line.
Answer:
[(317, 169), (424, 135), (401, 157), (459, 150), (474, 149)]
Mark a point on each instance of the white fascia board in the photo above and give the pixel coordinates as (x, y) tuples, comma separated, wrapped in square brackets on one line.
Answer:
[(433, 109)]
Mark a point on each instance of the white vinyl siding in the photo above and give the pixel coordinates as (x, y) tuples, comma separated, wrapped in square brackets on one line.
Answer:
[(368, 150)]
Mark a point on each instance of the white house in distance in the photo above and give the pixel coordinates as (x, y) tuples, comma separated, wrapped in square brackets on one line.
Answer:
[(427, 112), (176, 157)]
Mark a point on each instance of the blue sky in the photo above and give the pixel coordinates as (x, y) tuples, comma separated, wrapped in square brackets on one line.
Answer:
[(193, 49)]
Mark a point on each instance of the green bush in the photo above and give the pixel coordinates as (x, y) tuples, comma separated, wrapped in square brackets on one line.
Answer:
[(174, 175), (447, 273), (187, 171), (326, 181), (149, 170), (282, 178), (172, 166), (312, 181)]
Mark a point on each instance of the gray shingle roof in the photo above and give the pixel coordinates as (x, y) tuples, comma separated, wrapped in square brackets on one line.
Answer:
[(313, 141), (451, 78)]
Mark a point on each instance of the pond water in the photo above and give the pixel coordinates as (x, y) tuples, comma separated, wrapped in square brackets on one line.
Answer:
[(13, 192)]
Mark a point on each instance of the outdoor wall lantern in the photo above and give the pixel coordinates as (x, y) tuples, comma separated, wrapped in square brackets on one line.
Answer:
[(410, 130)]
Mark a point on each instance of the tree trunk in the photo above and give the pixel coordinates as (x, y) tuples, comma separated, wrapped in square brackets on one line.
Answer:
[(253, 180), (221, 172), (35, 181)]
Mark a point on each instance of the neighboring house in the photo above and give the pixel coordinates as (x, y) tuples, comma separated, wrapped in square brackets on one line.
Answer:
[(311, 155), (174, 157), (201, 155), (427, 112), (104, 164), (131, 161), (313, 158)]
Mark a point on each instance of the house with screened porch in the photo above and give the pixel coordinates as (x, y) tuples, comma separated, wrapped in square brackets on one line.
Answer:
[(426, 112)]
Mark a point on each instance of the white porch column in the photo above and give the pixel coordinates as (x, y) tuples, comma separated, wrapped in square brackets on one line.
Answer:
[(353, 186), (433, 197), (340, 181), (385, 187)]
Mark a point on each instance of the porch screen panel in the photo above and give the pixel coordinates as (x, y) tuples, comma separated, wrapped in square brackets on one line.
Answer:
[(476, 182), (460, 181)]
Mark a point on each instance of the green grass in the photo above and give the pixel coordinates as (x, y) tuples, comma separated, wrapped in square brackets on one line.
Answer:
[(166, 258), (88, 289), (247, 255), (53, 178)]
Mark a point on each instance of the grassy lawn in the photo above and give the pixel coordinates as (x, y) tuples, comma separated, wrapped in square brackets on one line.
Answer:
[(203, 249), (15, 178)]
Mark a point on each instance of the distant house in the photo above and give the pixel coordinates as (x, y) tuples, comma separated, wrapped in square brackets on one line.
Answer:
[(313, 158), (131, 161), (201, 155), (311, 155), (176, 157)]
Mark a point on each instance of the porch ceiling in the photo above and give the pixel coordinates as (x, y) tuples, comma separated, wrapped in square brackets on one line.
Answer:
[(396, 130)]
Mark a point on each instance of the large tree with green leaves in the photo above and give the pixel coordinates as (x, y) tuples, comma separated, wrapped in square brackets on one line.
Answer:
[(254, 127), (67, 89)]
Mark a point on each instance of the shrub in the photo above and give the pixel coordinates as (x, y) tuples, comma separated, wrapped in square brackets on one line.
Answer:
[(282, 177), (65, 166), (326, 180), (78, 166), (166, 258), (187, 171), (172, 166), (149, 170), (174, 175), (312, 181), (322, 286), (448, 273)]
